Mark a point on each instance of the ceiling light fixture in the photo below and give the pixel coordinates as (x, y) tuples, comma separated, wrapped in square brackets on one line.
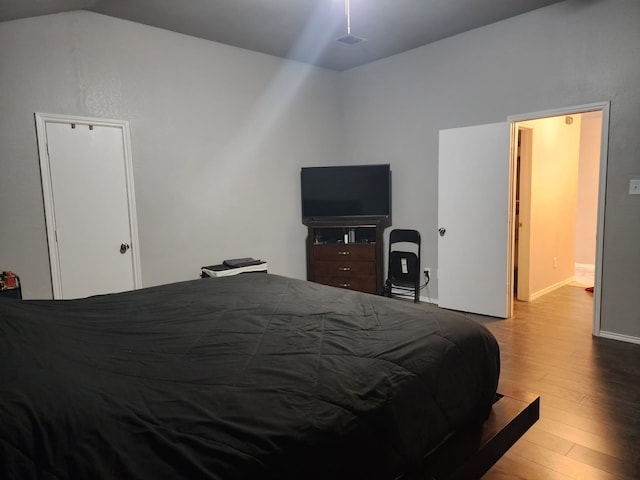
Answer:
[(348, 38)]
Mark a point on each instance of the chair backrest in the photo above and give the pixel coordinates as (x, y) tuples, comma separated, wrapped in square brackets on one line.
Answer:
[(404, 235), (404, 265)]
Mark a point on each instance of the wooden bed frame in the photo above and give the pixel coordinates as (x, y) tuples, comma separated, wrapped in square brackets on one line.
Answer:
[(470, 453)]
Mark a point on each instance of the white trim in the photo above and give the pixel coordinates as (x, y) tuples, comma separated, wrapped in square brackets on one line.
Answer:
[(551, 288), (585, 266), (49, 211), (426, 299), (422, 298), (604, 107), (589, 107), (602, 187), (619, 337), (45, 171), (511, 215)]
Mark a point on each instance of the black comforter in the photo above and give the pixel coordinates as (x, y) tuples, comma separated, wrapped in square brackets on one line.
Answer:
[(254, 376)]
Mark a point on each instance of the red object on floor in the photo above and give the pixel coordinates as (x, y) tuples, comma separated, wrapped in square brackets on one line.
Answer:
[(589, 289)]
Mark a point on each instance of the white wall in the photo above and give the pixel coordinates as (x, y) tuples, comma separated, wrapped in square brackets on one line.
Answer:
[(588, 176), (218, 138), (554, 191), (568, 54)]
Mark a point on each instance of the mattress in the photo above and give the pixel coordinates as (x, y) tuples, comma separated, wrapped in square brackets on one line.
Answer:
[(249, 376)]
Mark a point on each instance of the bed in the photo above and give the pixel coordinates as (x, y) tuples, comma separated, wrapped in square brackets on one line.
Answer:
[(254, 376)]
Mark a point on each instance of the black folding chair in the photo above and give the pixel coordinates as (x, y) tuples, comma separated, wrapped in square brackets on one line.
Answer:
[(404, 266)]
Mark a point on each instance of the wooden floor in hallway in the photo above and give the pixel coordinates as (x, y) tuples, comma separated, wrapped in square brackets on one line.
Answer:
[(589, 426)]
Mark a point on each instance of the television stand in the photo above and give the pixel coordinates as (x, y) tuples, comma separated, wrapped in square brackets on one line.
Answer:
[(347, 254)]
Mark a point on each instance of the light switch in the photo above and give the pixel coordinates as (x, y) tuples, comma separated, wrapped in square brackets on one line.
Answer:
[(634, 187)]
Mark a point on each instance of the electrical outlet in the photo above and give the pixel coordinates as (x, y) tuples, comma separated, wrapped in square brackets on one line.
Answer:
[(427, 276)]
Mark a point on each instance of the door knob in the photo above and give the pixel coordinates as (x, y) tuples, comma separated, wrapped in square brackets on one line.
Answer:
[(442, 231), (124, 247)]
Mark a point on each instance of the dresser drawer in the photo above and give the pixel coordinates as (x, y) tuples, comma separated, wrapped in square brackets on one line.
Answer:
[(354, 252), (345, 269), (361, 284)]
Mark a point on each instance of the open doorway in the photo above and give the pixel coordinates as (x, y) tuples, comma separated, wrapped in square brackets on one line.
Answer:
[(476, 213), (559, 166)]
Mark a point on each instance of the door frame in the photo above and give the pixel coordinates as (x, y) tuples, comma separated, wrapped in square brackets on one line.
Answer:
[(47, 190), (523, 182), (604, 107)]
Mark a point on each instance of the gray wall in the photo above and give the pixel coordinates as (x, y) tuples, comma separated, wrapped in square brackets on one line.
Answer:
[(573, 53), (218, 138), (219, 134)]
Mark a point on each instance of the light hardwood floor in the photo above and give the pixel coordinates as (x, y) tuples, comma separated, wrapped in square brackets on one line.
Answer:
[(589, 426)]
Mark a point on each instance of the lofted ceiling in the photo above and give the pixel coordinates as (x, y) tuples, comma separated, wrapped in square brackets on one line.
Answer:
[(301, 30)]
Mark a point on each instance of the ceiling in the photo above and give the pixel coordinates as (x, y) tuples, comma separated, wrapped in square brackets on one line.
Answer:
[(302, 30)]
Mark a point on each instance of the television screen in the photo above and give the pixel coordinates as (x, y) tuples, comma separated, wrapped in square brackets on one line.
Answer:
[(354, 191)]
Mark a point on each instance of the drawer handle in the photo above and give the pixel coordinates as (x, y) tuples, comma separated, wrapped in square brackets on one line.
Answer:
[(343, 253), (345, 285), (344, 269)]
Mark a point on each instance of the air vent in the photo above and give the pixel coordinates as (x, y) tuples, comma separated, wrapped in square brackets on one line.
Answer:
[(351, 39)]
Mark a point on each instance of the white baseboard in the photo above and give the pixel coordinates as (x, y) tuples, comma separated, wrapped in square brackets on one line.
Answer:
[(590, 267), (426, 299), (550, 288), (619, 337)]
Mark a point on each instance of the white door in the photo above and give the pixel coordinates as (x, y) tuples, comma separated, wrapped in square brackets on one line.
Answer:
[(89, 206), (473, 213)]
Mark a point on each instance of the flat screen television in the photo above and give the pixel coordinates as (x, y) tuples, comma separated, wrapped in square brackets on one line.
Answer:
[(361, 192)]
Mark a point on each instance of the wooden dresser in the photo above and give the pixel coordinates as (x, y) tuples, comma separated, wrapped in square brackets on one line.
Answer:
[(346, 254)]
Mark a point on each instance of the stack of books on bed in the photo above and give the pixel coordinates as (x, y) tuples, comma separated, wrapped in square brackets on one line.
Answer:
[(234, 267)]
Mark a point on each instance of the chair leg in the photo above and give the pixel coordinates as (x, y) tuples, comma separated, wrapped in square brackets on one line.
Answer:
[(416, 294)]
